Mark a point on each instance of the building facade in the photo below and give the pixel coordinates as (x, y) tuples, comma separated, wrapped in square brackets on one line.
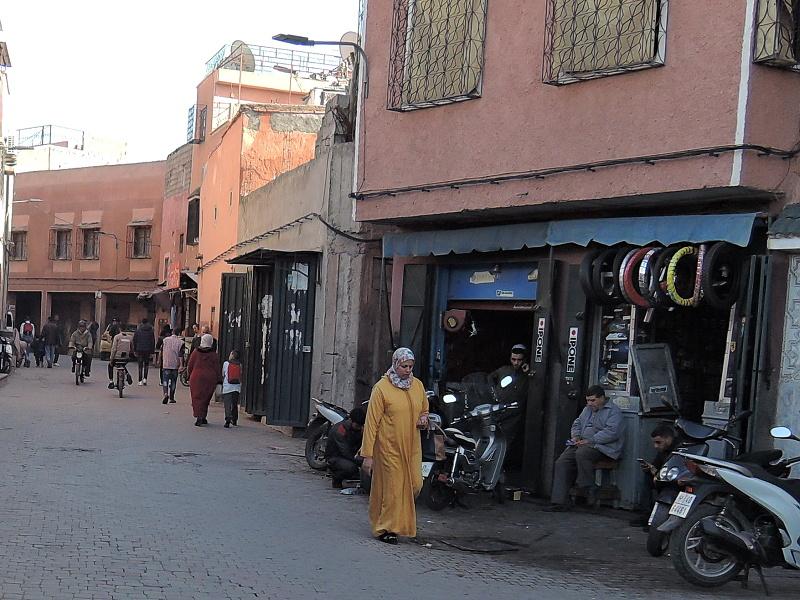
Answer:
[(51, 147), (6, 180), (522, 147), (86, 242)]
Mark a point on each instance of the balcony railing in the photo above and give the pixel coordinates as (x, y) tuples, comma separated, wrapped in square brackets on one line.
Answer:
[(246, 57), (45, 135)]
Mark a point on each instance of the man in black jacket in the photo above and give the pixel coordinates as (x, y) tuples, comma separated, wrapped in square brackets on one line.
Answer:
[(144, 344), (344, 440)]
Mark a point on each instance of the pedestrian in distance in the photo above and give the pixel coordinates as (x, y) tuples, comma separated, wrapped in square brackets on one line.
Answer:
[(93, 327), (27, 332), (37, 347), (231, 387), (166, 331), (51, 338), (391, 448), (144, 344), (57, 320), (172, 351), (203, 372), (196, 341)]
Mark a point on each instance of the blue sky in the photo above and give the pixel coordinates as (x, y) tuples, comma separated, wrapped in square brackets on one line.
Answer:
[(128, 70)]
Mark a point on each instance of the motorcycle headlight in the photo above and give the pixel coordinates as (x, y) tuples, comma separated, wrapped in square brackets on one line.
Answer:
[(672, 474), (662, 474)]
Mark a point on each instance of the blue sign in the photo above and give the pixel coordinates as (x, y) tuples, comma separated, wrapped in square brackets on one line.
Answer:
[(516, 281)]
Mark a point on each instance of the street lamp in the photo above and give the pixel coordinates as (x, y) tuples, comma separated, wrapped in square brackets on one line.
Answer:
[(299, 40)]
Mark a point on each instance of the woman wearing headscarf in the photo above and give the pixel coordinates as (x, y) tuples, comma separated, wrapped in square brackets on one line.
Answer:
[(203, 373), (391, 448)]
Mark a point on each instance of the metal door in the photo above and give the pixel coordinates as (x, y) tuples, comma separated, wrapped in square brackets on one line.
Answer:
[(289, 358), (257, 341), (232, 311)]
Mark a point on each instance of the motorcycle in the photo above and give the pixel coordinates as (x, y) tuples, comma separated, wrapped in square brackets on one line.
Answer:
[(476, 446), (322, 419), (737, 516), (78, 365), (120, 375), (6, 355), (696, 439)]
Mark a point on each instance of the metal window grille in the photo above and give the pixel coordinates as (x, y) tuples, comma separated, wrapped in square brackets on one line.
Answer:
[(777, 36), (138, 243), (196, 123), (193, 222), (90, 244), (19, 248), (436, 54), (586, 39), (60, 244)]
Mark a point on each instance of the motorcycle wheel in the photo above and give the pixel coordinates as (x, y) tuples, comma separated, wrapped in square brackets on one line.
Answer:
[(436, 495), (315, 446), (120, 382), (698, 561), (657, 542), (184, 378), (78, 368), (5, 364)]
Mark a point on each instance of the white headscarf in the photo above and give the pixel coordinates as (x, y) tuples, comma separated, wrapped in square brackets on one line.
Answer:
[(206, 340), (400, 355)]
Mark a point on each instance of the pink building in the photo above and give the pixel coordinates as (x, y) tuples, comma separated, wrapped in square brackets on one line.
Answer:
[(520, 146)]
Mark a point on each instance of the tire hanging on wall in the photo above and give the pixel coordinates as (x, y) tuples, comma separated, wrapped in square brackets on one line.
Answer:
[(585, 274), (622, 271), (698, 276), (672, 276), (603, 277), (644, 277), (722, 271), (631, 273), (615, 269), (657, 293)]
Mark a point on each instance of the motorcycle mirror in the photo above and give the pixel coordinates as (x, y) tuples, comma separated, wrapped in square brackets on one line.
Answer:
[(449, 399), (506, 381), (781, 433)]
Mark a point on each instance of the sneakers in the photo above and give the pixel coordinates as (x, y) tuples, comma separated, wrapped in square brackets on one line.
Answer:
[(140, 382), (111, 385), (227, 424), (199, 422), (172, 401), (144, 381), (165, 400)]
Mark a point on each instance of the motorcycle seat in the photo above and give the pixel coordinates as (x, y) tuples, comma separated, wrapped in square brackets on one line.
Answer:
[(790, 486), (460, 438), (698, 431), (761, 458)]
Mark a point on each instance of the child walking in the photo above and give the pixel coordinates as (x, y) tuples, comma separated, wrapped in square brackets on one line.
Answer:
[(231, 386)]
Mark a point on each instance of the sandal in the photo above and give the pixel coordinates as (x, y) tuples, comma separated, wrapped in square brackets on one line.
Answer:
[(388, 538)]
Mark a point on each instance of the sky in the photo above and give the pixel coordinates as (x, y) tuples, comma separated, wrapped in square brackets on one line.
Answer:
[(129, 70)]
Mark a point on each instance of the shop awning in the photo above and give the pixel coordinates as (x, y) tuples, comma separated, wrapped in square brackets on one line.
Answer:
[(263, 256), (638, 231), (784, 232)]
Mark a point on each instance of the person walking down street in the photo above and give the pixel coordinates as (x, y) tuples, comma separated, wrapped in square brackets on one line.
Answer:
[(144, 344), (51, 339), (231, 387), (205, 330), (27, 332), (166, 331), (172, 350), (38, 350), (391, 448), (341, 449), (93, 327), (596, 434), (81, 338), (203, 372), (57, 321)]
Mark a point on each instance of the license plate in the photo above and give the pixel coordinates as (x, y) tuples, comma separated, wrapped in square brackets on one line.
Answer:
[(652, 514), (682, 505), (426, 468)]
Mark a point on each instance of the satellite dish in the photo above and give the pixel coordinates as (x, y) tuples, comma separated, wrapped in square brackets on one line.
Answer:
[(241, 57), (346, 51)]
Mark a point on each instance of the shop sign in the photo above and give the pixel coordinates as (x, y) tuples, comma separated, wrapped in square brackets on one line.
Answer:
[(504, 293), (572, 352), (538, 355), (174, 275)]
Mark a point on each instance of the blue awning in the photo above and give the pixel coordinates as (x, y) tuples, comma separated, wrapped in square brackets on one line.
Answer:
[(638, 231)]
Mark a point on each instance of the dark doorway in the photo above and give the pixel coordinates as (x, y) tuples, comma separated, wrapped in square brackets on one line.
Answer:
[(28, 304)]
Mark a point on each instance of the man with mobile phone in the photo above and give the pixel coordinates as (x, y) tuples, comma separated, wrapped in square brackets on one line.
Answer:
[(665, 441)]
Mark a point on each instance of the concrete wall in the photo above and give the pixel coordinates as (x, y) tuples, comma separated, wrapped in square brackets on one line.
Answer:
[(703, 95), (174, 212)]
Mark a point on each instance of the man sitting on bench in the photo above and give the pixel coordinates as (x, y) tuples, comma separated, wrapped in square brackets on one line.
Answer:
[(596, 435)]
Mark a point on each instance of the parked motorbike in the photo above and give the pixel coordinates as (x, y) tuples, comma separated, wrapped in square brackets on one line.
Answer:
[(79, 365), (695, 439), (737, 516), (322, 419), (476, 449), (6, 355)]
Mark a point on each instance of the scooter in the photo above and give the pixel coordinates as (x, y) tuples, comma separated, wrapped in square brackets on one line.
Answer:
[(751, 521), (476, 446), (6, 355), (696, 439), (120, 375), (322, 419), (78, 365)]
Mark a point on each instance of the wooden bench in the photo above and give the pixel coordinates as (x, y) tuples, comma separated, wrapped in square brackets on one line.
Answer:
[(605, 478)]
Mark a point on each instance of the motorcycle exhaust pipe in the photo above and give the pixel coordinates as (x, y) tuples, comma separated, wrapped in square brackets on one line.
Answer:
[(737, 543)]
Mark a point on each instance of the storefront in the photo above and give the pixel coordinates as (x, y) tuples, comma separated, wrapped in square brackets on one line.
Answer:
[(593, 299)]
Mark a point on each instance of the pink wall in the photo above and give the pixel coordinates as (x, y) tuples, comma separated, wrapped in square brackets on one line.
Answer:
[(521, 124)]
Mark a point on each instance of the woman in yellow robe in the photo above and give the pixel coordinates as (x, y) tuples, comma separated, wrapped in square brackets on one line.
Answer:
[(391, 448)]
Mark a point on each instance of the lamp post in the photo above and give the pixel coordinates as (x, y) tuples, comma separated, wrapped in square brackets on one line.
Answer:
[(299, 40)]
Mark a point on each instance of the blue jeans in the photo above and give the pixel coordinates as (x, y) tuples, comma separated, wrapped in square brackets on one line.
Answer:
[(50, 353), (169, 381)]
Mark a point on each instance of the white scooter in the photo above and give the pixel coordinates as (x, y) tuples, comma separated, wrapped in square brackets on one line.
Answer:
[(753, 523)]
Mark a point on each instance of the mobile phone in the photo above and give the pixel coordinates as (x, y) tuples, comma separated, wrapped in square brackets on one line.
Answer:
[(642, 461)]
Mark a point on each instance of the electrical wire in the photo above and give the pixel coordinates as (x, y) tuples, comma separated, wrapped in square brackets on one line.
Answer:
[(650, 159)]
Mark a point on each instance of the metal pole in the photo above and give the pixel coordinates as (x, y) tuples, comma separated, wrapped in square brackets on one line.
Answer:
[(7, 162)]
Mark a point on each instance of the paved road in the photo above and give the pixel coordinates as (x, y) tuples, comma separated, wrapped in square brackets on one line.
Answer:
[(104, 497)]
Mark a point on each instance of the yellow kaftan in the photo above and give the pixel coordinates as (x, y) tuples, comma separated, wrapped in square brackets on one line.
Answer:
[(391, 438)]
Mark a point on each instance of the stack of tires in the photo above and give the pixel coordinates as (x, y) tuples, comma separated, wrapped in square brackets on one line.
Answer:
[(663, 277)]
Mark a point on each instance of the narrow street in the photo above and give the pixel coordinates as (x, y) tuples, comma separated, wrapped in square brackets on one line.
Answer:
[(105, 497)]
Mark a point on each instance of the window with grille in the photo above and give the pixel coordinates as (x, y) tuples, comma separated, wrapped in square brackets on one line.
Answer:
[(90, 244), (193, 222), (139, 241), (436, 54), (19, 247), (777, 40), (586, 39), (60, 244)]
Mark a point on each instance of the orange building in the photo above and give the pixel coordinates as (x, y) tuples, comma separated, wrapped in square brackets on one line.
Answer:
[(257, 114), (86, 242)]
